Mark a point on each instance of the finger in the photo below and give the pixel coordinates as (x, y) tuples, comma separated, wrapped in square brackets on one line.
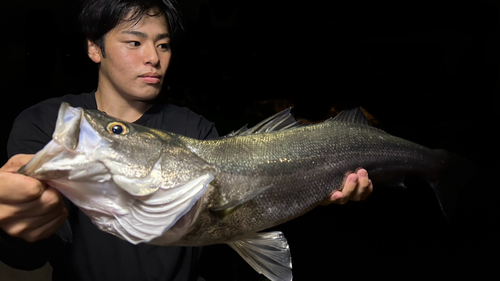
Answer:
[(49, 201), (334, 198), (34, 220), (48, 229), (17, 188), (348, 189), (362, 177), (367, 191), (364, 187), (16, 162), (36, 228)]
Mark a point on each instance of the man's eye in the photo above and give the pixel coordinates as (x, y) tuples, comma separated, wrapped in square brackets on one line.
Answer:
[(133, 44), (165, 46)]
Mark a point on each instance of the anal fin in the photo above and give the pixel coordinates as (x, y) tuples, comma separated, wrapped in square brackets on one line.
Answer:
[(268, 253)]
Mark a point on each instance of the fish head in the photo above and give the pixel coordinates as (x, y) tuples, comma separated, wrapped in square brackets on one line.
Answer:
[(132, 181), (90, 145)]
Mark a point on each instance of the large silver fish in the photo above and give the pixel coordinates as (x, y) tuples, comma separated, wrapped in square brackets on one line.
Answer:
[(146, 185)]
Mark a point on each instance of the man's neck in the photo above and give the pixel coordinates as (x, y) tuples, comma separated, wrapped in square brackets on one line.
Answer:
[(121, 108)]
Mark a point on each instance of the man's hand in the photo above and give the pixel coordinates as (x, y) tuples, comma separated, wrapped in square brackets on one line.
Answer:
[(356, 187), (28, 209)]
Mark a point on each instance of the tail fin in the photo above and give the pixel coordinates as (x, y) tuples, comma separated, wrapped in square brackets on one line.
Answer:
[(456, 173)]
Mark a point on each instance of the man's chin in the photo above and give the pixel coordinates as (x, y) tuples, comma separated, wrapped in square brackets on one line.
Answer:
[(149, 94)]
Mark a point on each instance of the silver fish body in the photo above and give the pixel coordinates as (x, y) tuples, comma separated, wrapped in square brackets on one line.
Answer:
[(145, 185), (295, 170)]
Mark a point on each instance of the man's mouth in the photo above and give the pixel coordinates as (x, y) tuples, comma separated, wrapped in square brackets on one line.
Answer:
[(151, 78)]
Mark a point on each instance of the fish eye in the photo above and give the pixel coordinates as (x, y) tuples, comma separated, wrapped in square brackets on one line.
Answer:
[(117, 128)]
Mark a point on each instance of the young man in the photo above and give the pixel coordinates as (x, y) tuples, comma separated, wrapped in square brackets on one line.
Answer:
[(130, 40)]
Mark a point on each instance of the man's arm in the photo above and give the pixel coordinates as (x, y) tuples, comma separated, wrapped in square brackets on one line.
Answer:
[(29, 211)]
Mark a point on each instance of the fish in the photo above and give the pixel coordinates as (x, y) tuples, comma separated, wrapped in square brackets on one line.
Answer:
[(150, 186)]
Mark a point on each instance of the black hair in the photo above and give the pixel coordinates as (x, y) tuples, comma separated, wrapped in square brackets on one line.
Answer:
[(98, 17)]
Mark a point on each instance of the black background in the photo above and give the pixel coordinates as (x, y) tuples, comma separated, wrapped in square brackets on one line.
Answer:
[(428, 71)]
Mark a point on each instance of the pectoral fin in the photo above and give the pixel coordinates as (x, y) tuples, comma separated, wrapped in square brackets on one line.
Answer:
[(267, 253), (226, 209)]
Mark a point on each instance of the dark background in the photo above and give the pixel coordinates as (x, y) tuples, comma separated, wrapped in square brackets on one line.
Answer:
[(427, 71)]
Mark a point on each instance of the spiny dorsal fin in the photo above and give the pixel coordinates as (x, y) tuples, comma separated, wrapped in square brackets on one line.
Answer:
[(353, 115), (283, 120)]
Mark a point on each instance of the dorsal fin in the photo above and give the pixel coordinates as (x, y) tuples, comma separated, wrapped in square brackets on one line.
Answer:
[(282, 120), (352, 115)]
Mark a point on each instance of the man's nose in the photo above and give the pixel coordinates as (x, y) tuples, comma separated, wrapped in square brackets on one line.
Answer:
[(150, 55)]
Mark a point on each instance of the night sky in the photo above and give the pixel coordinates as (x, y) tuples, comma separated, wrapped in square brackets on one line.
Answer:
[(427, 71)]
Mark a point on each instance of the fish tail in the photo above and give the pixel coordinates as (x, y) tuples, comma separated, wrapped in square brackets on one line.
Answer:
[(454, 176)]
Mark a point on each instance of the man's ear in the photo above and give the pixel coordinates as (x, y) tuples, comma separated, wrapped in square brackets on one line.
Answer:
[(94, 51)]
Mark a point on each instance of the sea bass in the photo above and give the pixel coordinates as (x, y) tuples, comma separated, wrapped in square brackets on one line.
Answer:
[(149, 186)]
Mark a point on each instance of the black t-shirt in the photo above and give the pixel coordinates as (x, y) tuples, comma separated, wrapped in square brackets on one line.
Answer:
[(93, 254)]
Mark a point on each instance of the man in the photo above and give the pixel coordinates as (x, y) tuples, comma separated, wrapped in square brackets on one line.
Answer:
[(130, 40)]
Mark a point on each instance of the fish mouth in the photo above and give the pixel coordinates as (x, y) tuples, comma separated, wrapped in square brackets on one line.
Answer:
[(73, 131), (73, 137), (67, 129)]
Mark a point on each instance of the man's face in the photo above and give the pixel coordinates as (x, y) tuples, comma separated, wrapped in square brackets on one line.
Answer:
[(137, 57)]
